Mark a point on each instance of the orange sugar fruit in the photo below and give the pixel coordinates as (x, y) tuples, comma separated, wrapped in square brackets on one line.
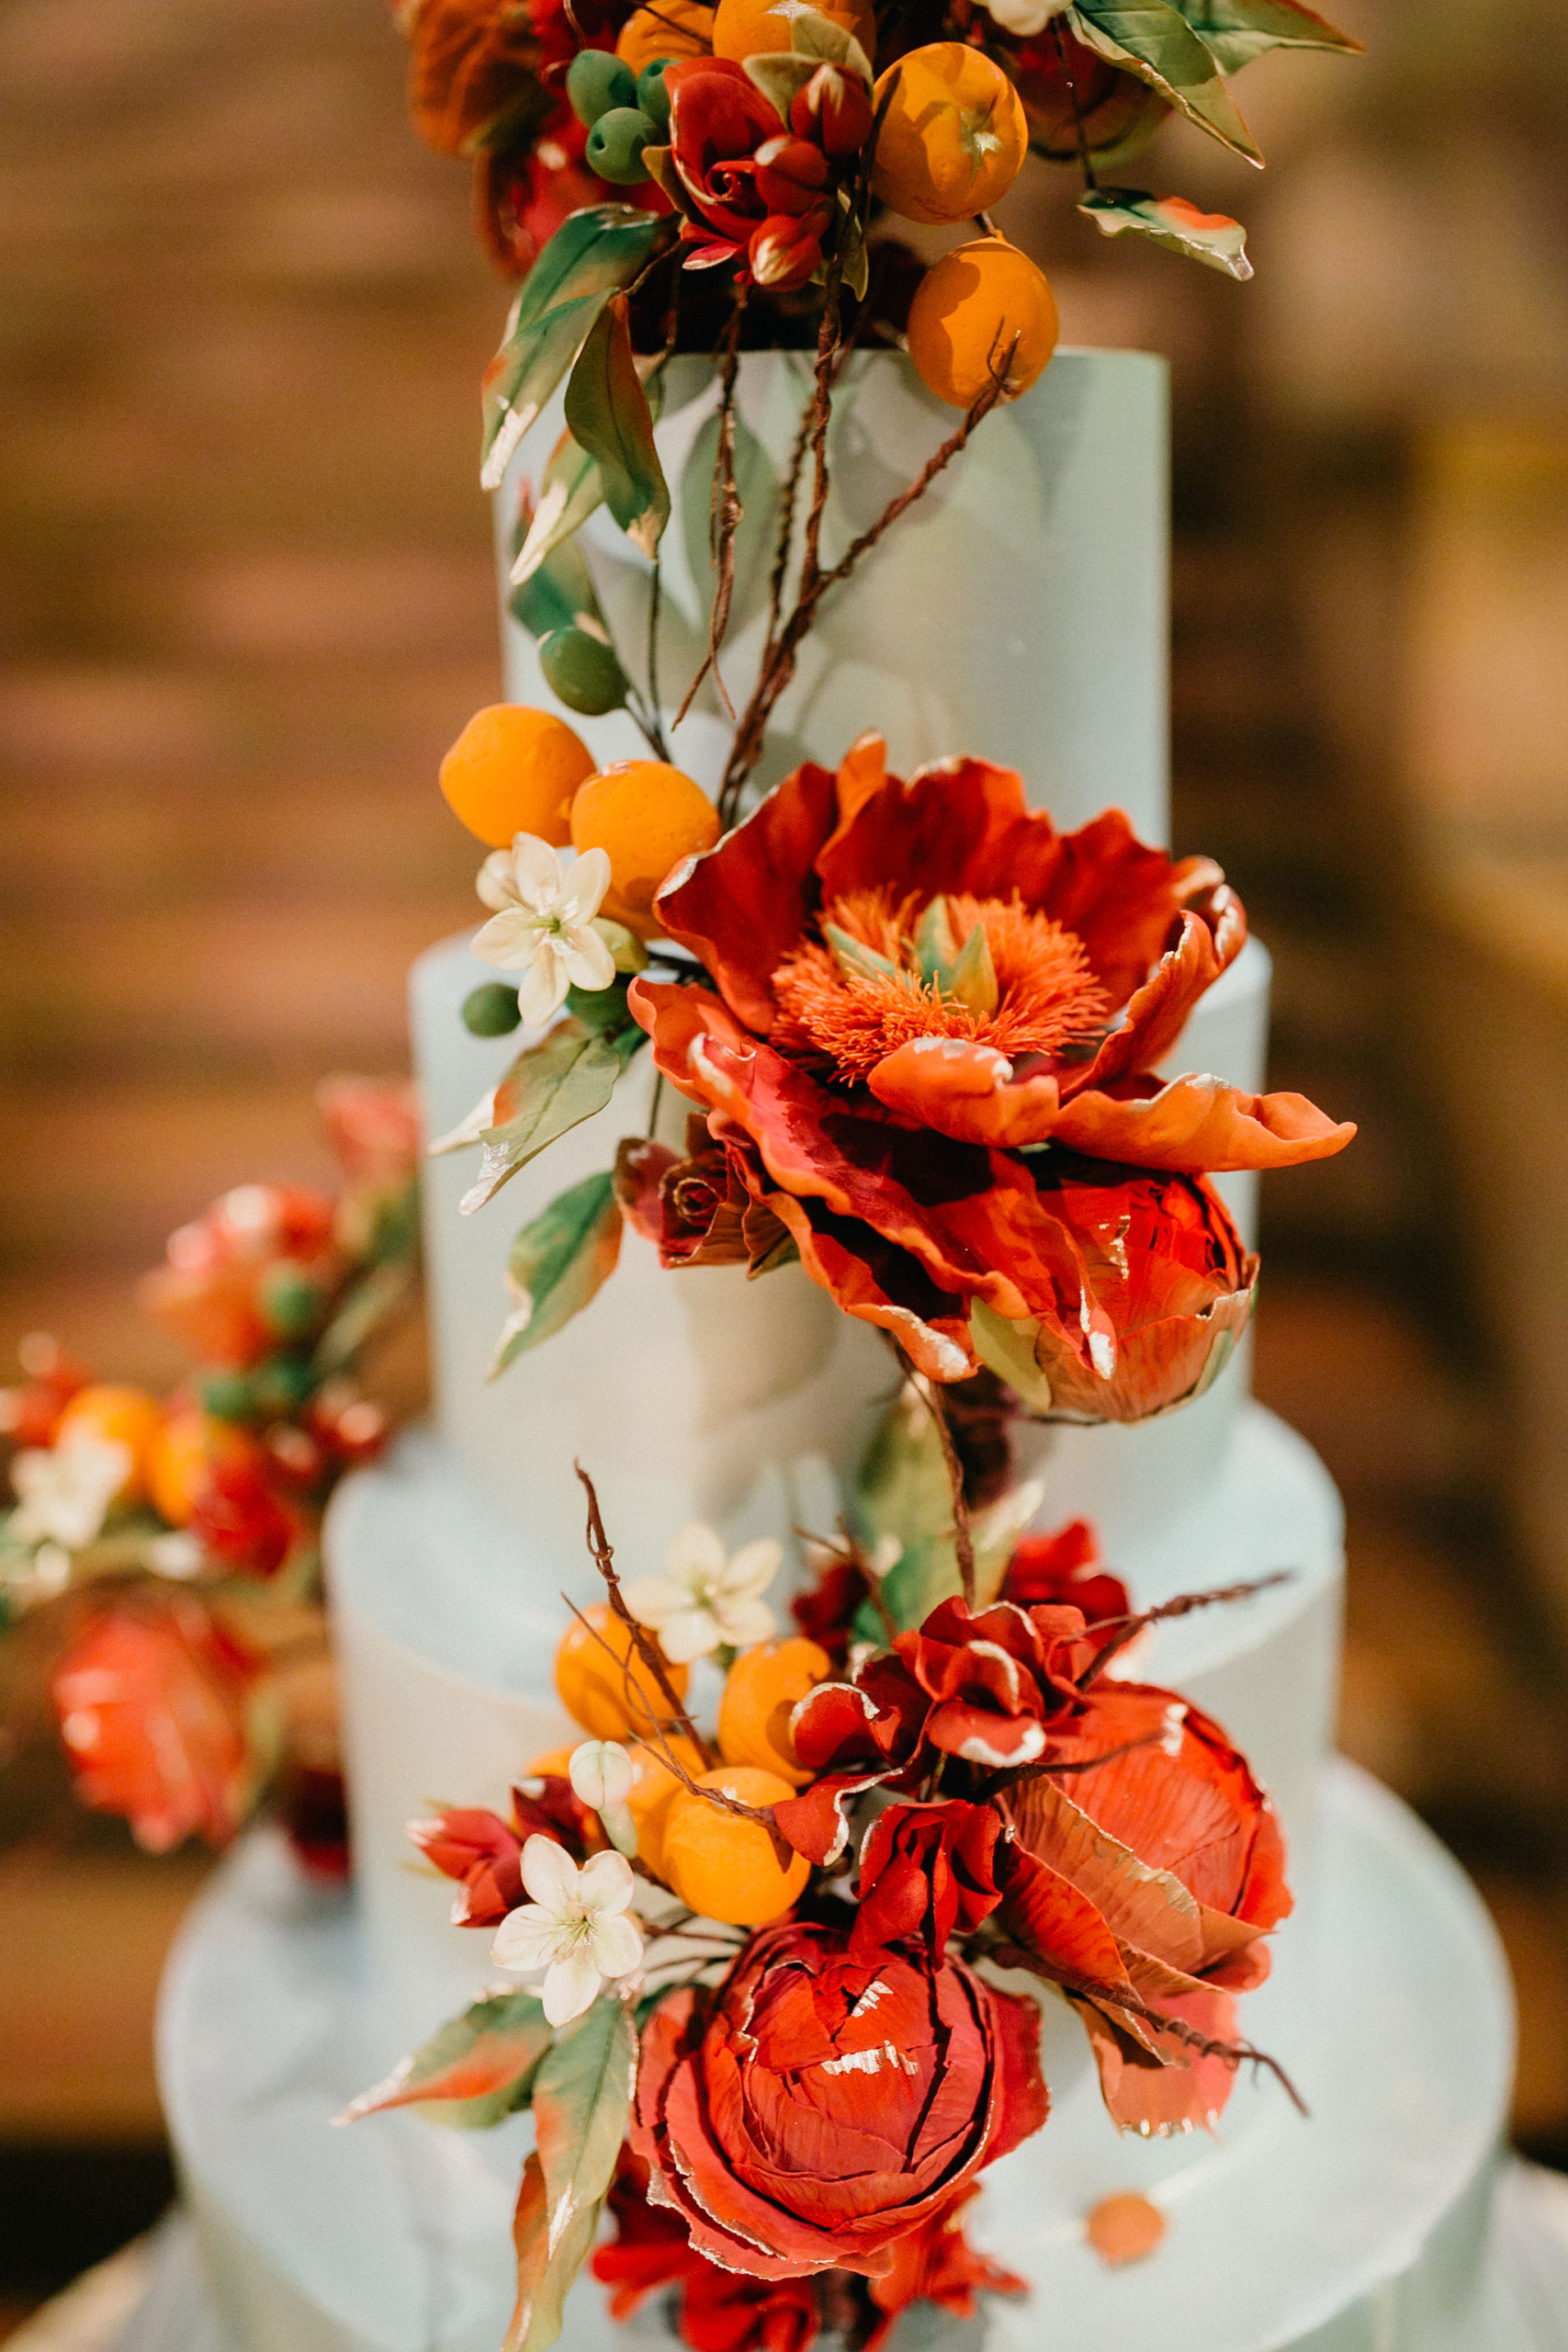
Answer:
[(953, 135), (646, 816), (514, 770), (720, 1864), (117, 1415), (743, 28), (555, 1764), (982, 307), (185, 1449), (761, 1691), (653, 1788), (675, 28), (593, 1685)]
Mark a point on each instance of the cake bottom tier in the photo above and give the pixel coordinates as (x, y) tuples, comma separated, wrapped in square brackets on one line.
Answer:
[(1367, 2229)]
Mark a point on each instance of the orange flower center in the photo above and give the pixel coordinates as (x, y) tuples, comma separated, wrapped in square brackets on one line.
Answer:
[(887, 971)]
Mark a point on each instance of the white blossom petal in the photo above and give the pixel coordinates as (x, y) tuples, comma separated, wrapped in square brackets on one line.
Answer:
[(495, 881), (537, 873), (689, 1634), (569, 1987), (652, 1599), (509, 940), (599, 1771), (586, 957), (617, 1945), (541, 992), (752, 1569), (548, 1873), (527, 1939), (743, 1624), (583, 893), (605, 1883), (696, 1557)]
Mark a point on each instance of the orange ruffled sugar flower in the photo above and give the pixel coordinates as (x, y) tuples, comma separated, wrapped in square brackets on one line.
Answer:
[(930, 1053), (1038, 997)]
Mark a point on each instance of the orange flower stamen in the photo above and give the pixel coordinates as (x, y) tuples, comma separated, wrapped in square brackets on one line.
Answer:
[(1046, 996)]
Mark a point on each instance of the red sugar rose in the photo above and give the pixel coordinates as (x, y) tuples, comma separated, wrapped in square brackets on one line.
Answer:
[(821, 2104)]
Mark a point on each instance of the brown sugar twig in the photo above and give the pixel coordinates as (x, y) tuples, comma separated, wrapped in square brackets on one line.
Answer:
[(1234, 2055), (1183, 1606), (642, 1640)]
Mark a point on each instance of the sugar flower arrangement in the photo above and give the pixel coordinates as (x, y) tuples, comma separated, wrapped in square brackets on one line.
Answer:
[(920, 1031), (170, 1547), (786, 1970)]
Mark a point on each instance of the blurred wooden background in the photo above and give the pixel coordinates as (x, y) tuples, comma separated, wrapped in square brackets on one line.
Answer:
[(247, 602)]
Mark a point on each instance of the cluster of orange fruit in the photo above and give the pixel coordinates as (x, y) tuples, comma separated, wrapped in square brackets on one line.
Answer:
[(170, 1449), (952, 139), (719, 1864), (514, 770)]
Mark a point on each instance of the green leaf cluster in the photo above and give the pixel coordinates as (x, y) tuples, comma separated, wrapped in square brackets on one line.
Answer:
[(593, 255), (581, 2100), (903, 1508), (558, 1261), (503, 2055), (1184, 48), (552, 1087)]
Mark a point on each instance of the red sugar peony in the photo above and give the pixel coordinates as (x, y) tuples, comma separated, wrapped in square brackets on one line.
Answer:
[(918, 986), (821, 2104), (1160, 1873), (153, 1713)]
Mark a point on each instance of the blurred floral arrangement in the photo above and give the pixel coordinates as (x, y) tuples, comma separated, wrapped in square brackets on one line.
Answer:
[(790, 1967), (174, 1543)]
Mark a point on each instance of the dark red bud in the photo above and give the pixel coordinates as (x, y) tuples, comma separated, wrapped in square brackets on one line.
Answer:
[(834, 109), (784, 250), (791, 174)]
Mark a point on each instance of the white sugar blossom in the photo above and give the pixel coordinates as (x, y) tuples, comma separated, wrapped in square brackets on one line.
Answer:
[(576, 1927), (705, 1600), (543, 926), (64, 1492), (601, 1774)]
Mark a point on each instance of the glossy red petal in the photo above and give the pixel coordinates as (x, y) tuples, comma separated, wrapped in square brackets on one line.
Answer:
[(742, 906), (1022, 2101), (1156, 2094), (1195, 1811), (1197, 1125)]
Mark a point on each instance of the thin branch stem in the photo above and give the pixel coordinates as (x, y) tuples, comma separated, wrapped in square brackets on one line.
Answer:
[(642, 1640), (1127, 1628), (1234, 2055), (1017, 1775), (1084, 158)]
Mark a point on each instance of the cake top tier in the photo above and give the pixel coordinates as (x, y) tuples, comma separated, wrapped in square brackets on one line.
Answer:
[(1020, 611)]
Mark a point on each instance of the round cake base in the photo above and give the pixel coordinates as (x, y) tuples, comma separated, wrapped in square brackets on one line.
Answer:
[(1369, 2228)]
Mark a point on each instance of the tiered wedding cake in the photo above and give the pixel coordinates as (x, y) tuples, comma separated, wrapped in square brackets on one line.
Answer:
[(703, 1395)]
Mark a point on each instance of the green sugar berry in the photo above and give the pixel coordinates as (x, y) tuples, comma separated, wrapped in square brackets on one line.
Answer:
[(290, 1301), (651, 95), (283, 1384), (582, 671), (596, 80), (615, 145), (490, 1010), (229, 1396)]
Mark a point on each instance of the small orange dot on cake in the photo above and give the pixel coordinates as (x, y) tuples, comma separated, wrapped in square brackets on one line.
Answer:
[(1125, 2228)]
